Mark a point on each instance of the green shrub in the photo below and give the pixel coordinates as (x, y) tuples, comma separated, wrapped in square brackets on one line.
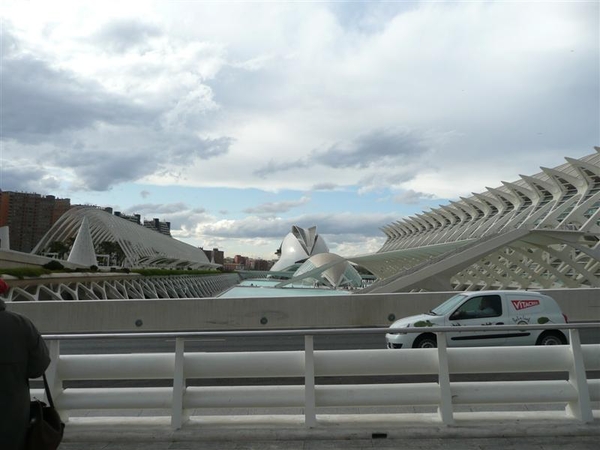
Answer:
[(53, 265), (23, 272)]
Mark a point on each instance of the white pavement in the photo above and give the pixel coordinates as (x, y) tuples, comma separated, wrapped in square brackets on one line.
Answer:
[(496, 430)]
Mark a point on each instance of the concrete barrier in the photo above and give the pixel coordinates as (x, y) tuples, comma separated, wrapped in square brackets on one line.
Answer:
[(345, 311)]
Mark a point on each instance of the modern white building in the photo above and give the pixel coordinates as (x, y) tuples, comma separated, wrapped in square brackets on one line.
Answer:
[(541, 231), (141, 246), (329, 270), (297, 246)]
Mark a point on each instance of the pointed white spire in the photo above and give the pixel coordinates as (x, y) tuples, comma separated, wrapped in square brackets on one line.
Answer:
[(83, 248)]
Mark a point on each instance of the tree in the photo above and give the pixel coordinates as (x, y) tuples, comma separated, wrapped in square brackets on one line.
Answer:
[(59, 247), (113, 249)]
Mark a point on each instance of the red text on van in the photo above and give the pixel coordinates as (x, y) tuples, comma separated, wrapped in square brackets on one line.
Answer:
[(523, 304)]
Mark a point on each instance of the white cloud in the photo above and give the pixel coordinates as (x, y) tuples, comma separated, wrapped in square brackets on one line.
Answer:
[(410, 101)]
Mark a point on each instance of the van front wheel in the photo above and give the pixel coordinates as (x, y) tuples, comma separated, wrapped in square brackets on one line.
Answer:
[(425, 341), (551, 338)]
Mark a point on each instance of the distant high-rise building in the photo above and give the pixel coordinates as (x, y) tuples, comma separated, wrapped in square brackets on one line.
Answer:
[(261, 264), (135, 218), (215, 255), (29, 216), (157, 225), (239, 259)]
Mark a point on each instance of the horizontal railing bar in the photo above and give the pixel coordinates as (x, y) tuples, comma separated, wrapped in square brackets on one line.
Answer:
[(363, 395), (315, 331), (328, 363)]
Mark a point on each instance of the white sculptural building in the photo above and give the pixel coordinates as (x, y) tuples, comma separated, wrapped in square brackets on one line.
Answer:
[(141, 246), (539, 232), (328, 270), (297, 246), (306, 257)]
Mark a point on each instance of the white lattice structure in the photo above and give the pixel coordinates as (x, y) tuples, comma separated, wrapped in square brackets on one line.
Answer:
[(541, 231), (119, 287), (142, 247)]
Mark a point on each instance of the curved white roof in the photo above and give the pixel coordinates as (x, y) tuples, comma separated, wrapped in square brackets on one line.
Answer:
[(298, 245), (560, 207), (336, 271), (142, 247)]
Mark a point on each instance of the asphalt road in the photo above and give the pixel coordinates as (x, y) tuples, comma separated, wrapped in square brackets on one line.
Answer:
[(247, 344), (223, 344)]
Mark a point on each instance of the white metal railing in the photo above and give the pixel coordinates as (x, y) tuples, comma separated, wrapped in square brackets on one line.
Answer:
[(577, 392)]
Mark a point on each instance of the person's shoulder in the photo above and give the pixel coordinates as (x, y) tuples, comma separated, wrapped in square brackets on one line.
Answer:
[(18, 319)]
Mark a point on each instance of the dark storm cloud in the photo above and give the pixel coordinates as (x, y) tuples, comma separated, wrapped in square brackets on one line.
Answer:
[(123, 35), (17, 178), (98, 171), (39, 101), (189, 146), (376, 148), (54, 108)]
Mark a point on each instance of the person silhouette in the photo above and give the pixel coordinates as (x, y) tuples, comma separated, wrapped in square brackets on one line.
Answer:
[(486, 308), (23, 355)]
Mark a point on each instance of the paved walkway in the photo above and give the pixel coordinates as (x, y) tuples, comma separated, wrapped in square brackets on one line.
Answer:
[(494, 431), (521, 443)]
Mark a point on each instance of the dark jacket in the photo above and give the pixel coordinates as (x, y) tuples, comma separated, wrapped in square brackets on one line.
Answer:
[(23, 355)]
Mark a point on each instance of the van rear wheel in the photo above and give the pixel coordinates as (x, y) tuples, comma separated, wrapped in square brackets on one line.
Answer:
[(551, 338), (425, 341)]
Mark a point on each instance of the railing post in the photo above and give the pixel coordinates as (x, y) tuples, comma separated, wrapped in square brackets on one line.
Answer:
[(445, 409), (177, 416), (310, 417), (582, 408), (53, 377)]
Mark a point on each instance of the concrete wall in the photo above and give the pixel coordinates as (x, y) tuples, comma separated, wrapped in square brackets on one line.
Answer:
[(368, 310)]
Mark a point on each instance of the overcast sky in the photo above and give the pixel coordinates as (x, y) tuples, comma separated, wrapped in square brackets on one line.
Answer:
[(236, 120)]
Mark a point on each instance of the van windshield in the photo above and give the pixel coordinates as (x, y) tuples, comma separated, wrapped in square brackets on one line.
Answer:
[(448, 305)]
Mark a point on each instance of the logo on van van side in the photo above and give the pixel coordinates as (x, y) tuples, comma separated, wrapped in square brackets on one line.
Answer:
[(523, 304)]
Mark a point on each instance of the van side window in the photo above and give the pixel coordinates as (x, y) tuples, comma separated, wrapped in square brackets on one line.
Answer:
[(478, 307)]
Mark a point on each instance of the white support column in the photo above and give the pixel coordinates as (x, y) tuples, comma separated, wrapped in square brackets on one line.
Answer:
[(310, 417), (582, 408), (177, 416), (53, 377), (445, 409), (54, 382)]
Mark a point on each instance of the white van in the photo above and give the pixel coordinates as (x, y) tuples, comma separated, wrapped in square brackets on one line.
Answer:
[(484, 308)]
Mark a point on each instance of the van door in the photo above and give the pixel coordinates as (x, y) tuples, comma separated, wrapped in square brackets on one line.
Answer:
[(525, 309), (485, 309)]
